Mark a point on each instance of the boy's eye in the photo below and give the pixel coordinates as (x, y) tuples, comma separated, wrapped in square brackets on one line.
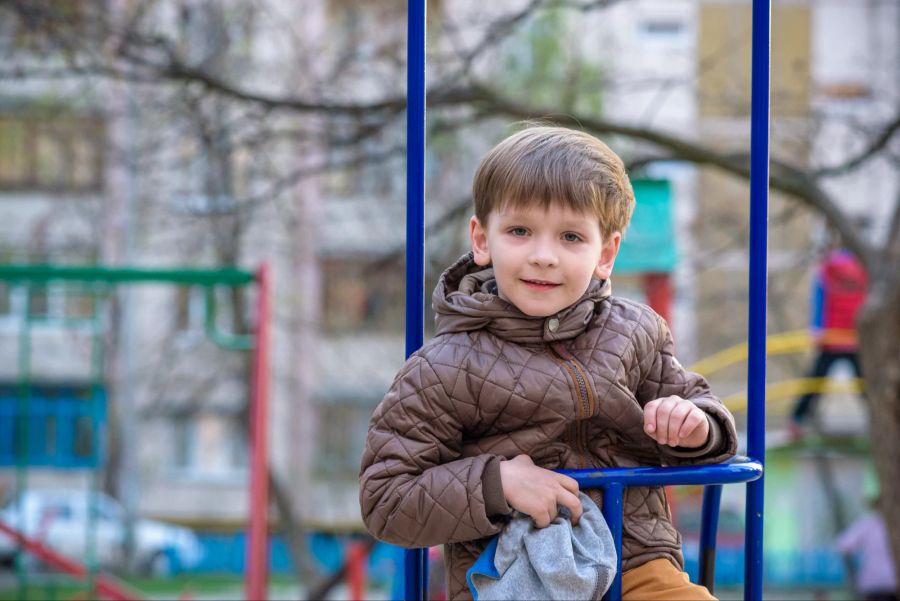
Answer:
[(571, 237), (518, 231)]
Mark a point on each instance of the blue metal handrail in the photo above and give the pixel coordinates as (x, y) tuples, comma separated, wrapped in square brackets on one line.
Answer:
[(614, 481), (737, 469)]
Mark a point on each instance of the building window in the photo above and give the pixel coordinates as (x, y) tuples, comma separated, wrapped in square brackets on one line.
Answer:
[(79, 303), (342, 433), (52, 152), (6, 299), (49, 303), (54, 301), (207, 444), (84, 436), (39, 301), (60, 302), (63, 425), (361, 297), (184, 442), (236, 444), (662, 28)]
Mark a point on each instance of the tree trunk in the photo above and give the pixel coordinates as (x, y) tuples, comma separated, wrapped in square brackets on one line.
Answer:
[(292, 527), (879, 331), (294, 533)]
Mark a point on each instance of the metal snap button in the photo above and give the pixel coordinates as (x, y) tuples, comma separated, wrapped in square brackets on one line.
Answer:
[(553, 324)]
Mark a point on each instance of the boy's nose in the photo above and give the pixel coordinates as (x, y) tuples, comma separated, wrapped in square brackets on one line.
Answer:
[(543, 254)]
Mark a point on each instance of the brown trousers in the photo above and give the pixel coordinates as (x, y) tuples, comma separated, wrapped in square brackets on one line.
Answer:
[(661, 580)]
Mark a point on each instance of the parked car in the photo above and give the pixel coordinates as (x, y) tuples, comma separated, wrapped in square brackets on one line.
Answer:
[(60, 518)]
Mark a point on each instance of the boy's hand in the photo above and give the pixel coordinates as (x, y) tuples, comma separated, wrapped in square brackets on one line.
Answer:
[(676, 422), (537, 491)]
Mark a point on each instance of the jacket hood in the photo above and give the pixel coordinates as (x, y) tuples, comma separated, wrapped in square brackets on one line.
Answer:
[(464, 300)]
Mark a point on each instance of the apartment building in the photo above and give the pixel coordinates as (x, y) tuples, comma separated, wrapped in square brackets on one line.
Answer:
[(123, 172)]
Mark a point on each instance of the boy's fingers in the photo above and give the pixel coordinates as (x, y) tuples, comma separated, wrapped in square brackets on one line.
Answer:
[(676, 421), (650, 416), (691, 423), (663, 414), (542, 518), (573, 503), (570, 484)]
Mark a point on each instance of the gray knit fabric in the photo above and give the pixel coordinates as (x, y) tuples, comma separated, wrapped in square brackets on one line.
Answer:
[(556, 562)]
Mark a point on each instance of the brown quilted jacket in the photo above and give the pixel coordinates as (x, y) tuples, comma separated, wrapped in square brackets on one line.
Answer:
[(493, 383)]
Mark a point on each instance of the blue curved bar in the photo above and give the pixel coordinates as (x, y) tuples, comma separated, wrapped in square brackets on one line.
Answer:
[(416, 560), (739, 469)]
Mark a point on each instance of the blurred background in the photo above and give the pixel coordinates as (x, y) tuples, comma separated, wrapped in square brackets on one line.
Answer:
[(221, 134)]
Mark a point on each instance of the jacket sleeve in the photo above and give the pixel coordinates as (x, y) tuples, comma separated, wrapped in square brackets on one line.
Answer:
[(664, 376), (415, 488)]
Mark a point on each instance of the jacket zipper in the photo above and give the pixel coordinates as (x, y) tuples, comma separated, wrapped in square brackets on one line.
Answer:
[(583, 392)]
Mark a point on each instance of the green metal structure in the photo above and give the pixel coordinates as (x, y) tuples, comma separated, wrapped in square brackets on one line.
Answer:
[(99, 283)]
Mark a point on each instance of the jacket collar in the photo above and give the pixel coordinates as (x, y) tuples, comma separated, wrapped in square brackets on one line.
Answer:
[(465, 300)]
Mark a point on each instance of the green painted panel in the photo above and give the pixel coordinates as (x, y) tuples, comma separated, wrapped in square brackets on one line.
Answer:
[(649, 244)]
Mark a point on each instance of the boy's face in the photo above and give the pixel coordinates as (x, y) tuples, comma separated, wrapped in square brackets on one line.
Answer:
[(543, 259)]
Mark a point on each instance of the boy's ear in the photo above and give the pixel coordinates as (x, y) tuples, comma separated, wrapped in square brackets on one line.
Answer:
[(608, 256), (478, 235)]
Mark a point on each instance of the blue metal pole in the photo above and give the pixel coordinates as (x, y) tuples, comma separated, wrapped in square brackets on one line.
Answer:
[(756, 378), (712, 497), (612, 512), (416, 560)]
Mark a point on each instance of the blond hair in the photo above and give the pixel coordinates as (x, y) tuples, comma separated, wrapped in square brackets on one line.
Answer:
[(544, 165)]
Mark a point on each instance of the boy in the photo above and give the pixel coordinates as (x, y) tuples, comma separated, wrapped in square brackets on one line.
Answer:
[(535, 367)]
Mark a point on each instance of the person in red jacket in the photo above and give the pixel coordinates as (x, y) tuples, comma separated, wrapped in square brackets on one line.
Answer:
[(839, 291)]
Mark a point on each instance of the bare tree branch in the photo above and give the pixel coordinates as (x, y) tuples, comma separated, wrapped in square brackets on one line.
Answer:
[(878, 143), (784, 177)]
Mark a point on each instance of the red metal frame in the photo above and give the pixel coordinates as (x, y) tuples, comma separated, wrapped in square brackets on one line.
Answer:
[(357, 556), (257, 547), (658, 287), (106, 585)]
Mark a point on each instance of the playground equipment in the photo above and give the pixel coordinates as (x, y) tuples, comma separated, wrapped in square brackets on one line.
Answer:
[(777, 344), (100, 282), (614, 481)]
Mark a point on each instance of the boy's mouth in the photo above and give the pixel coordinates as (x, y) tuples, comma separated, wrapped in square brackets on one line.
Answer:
[(540, 284)]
